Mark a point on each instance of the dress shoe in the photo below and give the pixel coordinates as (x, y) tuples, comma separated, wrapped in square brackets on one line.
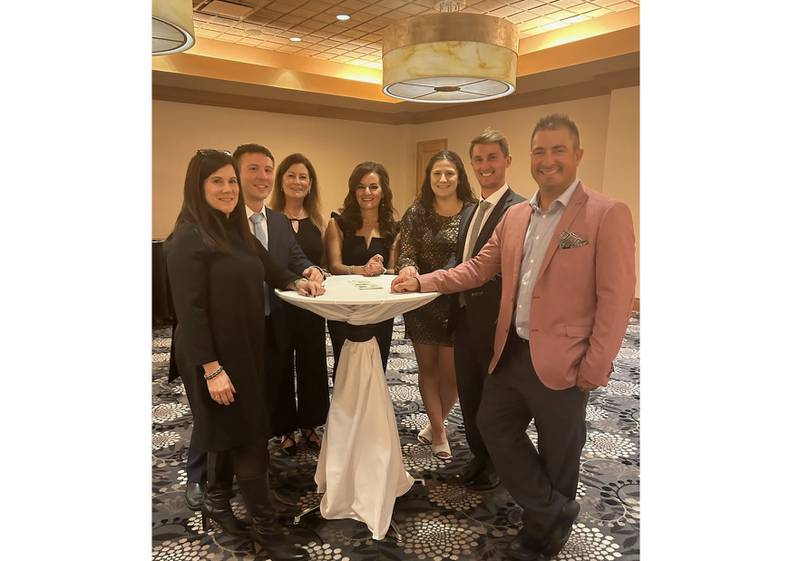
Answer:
[(523, 548), (425, 436), (195, 493), (442, 450), (485, 480), (473, 469), (559, 534)]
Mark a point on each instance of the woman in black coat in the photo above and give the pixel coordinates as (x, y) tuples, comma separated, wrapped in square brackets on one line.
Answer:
[(217, 269)]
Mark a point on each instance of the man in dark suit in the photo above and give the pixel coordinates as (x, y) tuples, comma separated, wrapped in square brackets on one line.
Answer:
[(256, 167), (473, 314)]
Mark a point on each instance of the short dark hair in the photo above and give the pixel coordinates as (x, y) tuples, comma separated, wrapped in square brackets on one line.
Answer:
[(351, 211), (463, 189), (250, 149), (490, 136), (557, 121)]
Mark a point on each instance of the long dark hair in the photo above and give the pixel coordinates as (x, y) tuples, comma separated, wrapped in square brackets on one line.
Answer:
[(351, 211), (463, 190), (213, 226), (311, 203)]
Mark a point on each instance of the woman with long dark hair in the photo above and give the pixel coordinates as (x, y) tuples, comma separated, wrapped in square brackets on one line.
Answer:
[(296, 195), (217, 269), (360, 241), (428, 234)]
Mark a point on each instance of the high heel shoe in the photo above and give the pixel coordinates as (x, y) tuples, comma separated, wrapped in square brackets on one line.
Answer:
[(425, 436), (289, 449), (266, 531), (312, 438), (442, 450), (217, 506)]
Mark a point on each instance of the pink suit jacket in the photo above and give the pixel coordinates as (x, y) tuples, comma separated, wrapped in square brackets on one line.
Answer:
[(582, 297)]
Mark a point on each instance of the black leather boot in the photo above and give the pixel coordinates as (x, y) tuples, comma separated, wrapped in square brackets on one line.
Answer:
[(266, 531), (217, 506)]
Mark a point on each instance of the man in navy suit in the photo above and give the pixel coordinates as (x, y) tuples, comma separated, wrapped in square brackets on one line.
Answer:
[(474, 315), (256, 167)]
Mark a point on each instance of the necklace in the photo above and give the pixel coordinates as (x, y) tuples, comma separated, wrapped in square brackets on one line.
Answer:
[(296, 218)]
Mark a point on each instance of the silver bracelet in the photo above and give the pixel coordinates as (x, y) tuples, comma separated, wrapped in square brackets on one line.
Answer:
[(214, 374)]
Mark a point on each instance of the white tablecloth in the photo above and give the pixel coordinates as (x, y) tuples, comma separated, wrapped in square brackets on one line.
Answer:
[(360, 468)]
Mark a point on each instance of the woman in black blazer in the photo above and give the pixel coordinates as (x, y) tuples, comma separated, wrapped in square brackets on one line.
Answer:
[(217, 269)]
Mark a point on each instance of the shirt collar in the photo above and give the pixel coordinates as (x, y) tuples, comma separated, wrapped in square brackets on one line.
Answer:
[(563, 198), (251, 213), (495, 197)]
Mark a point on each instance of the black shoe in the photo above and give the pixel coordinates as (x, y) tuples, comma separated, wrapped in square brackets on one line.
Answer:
[(473, 469), (217, 507), (484, 481), (562, 529), (266, 531), (195, 493), (522, 548)]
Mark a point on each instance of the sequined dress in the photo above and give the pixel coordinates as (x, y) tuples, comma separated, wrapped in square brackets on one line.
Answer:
[(428, 242)]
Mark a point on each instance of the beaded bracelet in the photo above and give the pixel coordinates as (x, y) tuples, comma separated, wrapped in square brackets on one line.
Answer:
[(214, 374)]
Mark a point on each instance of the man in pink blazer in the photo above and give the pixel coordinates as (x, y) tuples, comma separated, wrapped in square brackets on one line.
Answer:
[(566, 258)]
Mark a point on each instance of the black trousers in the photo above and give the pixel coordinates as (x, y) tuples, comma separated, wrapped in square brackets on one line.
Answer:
[(472, 357), (540, 481), (306, 359), (382, 332)]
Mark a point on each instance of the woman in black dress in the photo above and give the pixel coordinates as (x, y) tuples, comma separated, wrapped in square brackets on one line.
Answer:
[(296, 195), (360, 241), (428, 235), (217, 270)]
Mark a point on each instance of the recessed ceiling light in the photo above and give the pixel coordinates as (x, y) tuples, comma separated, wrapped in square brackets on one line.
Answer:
[(343, 17), (295, 39)]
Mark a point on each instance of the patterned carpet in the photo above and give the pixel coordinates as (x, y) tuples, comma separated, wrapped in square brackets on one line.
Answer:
[(438, 521)]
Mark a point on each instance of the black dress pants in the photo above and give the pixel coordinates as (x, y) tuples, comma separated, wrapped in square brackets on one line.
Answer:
[(472, 358), (306, 359), (540, 481)]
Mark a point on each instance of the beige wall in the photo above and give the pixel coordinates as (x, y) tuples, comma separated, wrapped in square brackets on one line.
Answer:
[(621, 177), (609, 127), (333, 146)]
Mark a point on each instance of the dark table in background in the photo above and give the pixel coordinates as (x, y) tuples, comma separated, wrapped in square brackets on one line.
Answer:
[(163, 312)]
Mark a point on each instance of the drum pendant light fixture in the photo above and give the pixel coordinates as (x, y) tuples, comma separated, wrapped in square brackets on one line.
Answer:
[(173, 28), (450, 58)]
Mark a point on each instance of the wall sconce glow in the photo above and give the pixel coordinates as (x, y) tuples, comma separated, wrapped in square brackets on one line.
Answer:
[(295, 39), (450, 58), (173, 28), (343, 17)]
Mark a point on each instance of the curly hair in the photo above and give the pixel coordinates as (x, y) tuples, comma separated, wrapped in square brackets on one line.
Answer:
[(463, 190), (352, 220)]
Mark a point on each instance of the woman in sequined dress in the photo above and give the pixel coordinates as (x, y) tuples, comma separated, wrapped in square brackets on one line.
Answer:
[(428, 234)]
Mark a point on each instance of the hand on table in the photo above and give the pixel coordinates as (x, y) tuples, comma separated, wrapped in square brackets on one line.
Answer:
[(309, 287), (314, 274), (374, 266), (405, 284)]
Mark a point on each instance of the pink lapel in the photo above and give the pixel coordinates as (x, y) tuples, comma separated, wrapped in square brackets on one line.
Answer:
[(575, 204)]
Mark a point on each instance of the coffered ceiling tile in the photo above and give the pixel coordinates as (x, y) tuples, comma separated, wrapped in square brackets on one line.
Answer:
[(564, 4), (504, 11), (622, 6)]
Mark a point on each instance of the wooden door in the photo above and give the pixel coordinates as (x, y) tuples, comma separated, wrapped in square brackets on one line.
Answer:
[(425, 151)]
